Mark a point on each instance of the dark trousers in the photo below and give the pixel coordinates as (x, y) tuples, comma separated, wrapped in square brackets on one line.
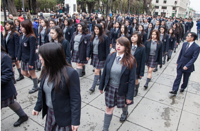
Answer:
[(177, 81)]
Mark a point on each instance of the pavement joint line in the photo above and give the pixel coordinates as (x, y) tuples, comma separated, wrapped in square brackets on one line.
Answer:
[(36, 122), (154, 82)]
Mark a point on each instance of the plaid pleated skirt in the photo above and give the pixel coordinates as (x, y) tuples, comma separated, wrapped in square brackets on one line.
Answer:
[(8, 101), (51, 125), (96, 63), (151, 61), (112, 98), (75, 58), (25, 66)]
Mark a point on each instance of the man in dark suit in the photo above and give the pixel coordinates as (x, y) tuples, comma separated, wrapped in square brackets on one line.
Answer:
[(185, 63)]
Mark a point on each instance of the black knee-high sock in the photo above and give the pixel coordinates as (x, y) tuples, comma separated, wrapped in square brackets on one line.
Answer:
[(125, 110), (107, 120), (17, 109), (19, 71), (100, 75)]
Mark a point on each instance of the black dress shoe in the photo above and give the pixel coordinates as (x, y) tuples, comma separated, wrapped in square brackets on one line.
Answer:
[(163, 62), (174, 51), (92, 89), (83, 73), (182, 90), (33, 90), (123, 117), (168, 59), (145, 86), (155, 70), (173, 92), (14, 81), (135, 93), (21, 77), (39, 69), (20, 121)]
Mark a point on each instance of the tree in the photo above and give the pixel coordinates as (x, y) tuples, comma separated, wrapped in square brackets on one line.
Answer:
[(12, 7)]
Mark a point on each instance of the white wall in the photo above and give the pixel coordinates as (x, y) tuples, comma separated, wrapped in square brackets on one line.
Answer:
[(71, 4)]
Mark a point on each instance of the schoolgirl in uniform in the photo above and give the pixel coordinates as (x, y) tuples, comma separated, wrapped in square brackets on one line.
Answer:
[(59, 95), (172, 41), (109, 22), (115, 34), (80, 45), (17, 25), (11, 40), (135, 25), (130, 29), (153, 53), (143, 33), (105, 31), (165, 42), (57, 37), (124, 32), (44, 32), (141, 22), (177, 39), (149, 30), (67, 29), (146, 24), (98, 51), (8, 91), (118, 81), (60, 23), (157, 26), (138, 51), (27, 54)]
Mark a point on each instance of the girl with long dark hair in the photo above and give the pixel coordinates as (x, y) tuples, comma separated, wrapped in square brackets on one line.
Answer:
[(8, 91), (164, 38), (177, 39), (115, 34), (59, 93), (99, 50), (109, 22), (27, 54), (118, 81), (138, 51), (143, 33), (17, 25), (149, 30), (44, 32), (105, 31), (157, 26), (80, 45), (124, 32), (153, 53), (135, 25), (67, 29), (127, 22), (11, 40), (57, 37), (171, 43)]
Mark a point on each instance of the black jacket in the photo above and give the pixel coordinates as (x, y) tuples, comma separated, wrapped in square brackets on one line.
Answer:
[(130, 30), (83, 46), (7, 85), (114, 34), (103, 49), (140, 58), (158, 52), (46, 38), (171, 43), (144, 37), (27, 49), (66, 48), (12, 45), (66, 102), (127, 78), (165, 43), (69, 33)]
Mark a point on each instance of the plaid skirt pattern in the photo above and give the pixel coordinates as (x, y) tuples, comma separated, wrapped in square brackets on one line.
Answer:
[(113, 99), (8, 101), (151, 61), (25, 66), (96, 63), (75, 58), (51, 125)]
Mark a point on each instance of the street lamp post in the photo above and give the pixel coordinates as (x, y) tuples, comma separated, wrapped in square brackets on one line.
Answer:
[(23, 10), (121, 7), (8, 7), (4, 8), (175, 7), (148, 8)]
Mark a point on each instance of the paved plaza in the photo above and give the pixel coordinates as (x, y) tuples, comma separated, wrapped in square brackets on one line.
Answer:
[(153, 109)]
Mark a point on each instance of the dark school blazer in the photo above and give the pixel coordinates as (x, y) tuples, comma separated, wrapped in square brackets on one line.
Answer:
[(66, 102), (66, 48), (158, 51), (103, 49), (69, 33), (115, 35), (171, 43), (140, 58), (83, 46), (144, 37), (12, 45), (127, 78), (7, 85), (187, 58), (130, 30), (165, 42), (46, 38), (27, 49)]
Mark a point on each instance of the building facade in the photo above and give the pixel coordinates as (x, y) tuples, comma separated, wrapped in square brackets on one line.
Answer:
[(167, 8)]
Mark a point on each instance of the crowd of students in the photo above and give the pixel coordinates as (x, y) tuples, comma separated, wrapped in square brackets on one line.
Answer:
[(136, 41)]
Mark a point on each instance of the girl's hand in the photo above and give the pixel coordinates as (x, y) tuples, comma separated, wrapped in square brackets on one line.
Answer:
[(74, 128), (30, 66), (87, 58), (128, 101), (35, 113), (101, 91)]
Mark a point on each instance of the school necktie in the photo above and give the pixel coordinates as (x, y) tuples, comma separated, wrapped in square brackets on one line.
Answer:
[(118, 59), (96, 37), (187, 47), (23, 36), (7, 37)]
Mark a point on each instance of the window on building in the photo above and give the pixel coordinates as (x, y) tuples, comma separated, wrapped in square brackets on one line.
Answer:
[(173, 8), (164, 7), (157, 1), (156, 13), (165, 1), (156, 7)]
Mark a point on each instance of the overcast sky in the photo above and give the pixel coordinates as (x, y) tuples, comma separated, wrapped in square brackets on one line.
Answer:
[(195, 5)]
